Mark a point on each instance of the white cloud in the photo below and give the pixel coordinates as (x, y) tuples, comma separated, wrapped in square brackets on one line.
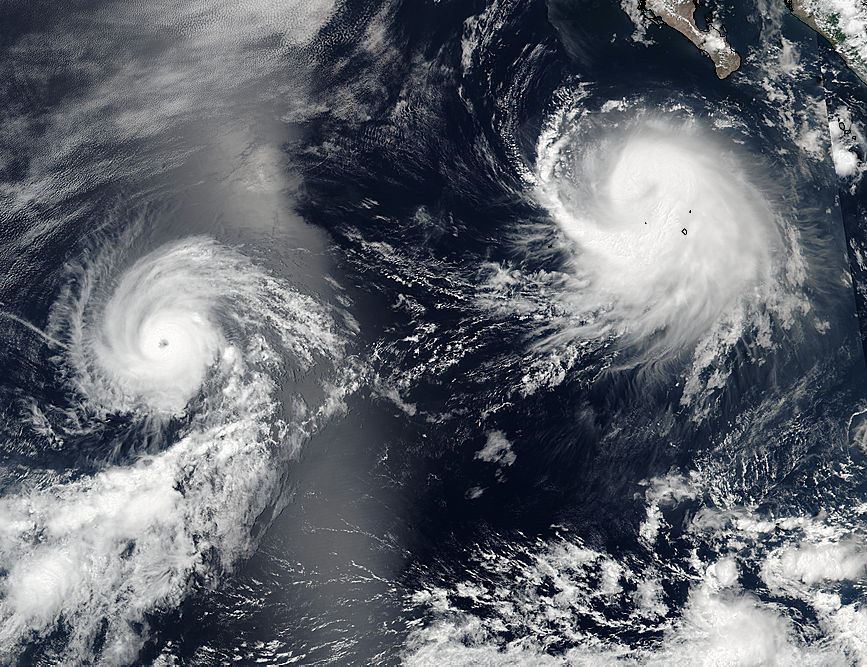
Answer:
[(497, 449), (847, 141)]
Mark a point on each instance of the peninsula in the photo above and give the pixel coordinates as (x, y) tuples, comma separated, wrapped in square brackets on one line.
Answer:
[(680, 15)]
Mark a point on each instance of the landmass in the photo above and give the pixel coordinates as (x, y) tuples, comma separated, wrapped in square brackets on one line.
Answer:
[(680, 15), (843, 23)]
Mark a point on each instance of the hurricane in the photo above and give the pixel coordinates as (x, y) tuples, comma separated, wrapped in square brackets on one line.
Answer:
[(184, 348), (667, 228), (349, 332), (157, 337)]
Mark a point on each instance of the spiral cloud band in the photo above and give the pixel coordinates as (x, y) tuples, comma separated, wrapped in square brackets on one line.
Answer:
[(191, 329), (668, 231), (156, 340)]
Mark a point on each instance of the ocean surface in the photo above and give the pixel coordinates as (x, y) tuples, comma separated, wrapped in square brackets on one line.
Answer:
[(432, 332)]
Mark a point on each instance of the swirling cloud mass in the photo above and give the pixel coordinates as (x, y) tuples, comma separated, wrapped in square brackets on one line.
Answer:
[(192, 329), (669, 234)]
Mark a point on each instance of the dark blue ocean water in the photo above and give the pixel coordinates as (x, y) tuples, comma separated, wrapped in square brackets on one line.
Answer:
[(373, 157)]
